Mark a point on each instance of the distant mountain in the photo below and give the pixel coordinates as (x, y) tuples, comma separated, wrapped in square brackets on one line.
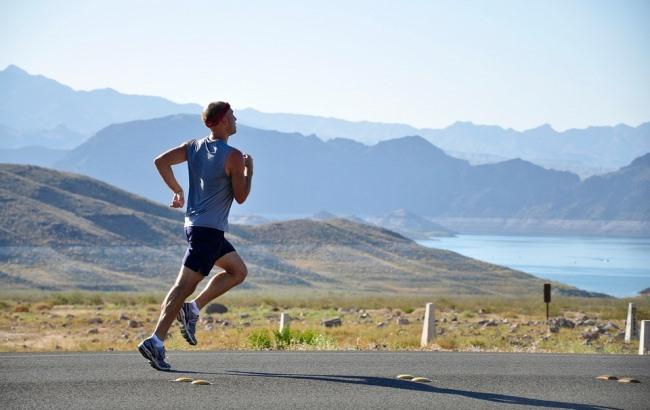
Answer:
[(57, 138), (410, 225), (66, 117), (589, 151), (83, 112), (32, 155), (67, 231), (304, 175)]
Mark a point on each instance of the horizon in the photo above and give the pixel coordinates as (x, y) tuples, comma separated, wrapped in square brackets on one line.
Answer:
[(569, 65), (457, 122)]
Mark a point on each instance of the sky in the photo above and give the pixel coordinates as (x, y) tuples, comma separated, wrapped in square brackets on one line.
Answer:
[(517, 64)]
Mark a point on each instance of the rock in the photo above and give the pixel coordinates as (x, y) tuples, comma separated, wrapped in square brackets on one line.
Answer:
[(553, 328), (332, 322), (514, 327), (69, 316), (610, 326), (134, 324), (381, 324), (273, 309), (93, 331), (246, 324), (402, 321), (95, 321), (207, 319), (123, 317), (244, 316), (490, 322), (454, 319), (217, 308), (364, 315), (225, 323), (597, 329), (125, 336), (561, 322), (444, 320), (589, 322), (209, 327), (590, 335), (481, 311)]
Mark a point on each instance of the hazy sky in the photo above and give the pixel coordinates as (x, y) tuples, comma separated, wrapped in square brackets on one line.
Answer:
[(426, 63)]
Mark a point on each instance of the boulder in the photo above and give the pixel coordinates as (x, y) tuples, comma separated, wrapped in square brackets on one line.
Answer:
[(216, 308), (134, 324), (332, 322)]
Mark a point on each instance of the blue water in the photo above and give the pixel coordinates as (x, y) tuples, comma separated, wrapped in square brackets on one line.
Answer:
[(615, 266)]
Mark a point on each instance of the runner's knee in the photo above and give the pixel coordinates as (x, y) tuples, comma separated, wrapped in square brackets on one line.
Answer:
[(240, 273)]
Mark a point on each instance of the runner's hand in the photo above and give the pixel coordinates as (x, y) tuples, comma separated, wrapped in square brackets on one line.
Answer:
[(178, 201), (248, 163)]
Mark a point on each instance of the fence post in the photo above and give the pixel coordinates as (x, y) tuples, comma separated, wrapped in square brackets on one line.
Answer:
[(284, 321), (428, 326), (644, 339), (630, 324)]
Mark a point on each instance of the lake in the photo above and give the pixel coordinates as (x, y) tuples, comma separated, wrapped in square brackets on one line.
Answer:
[(616, 266)]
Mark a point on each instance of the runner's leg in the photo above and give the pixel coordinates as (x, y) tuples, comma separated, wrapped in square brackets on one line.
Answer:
[(185, 285), (235, 273)]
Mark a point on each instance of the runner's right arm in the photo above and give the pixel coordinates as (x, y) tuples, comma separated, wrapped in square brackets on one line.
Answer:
[(164, 164)]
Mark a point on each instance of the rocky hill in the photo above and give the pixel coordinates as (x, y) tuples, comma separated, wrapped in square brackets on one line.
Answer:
[(66, 231)]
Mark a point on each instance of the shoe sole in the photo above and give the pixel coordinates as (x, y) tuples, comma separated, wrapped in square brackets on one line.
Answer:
[(147, 355), (189, 338)]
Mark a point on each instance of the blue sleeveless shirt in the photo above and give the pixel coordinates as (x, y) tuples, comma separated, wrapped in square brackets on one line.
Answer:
[(211, 193)]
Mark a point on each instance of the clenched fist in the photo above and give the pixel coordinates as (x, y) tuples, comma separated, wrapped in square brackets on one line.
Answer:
[(248, 163), (178, 201)]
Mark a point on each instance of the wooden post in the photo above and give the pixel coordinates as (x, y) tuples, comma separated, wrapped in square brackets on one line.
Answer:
[(284, 322), (644, 337), (428, 326), (547, 297), (630, 325)]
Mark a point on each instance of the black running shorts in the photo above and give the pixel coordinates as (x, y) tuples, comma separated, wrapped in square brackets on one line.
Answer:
[(204, 247)]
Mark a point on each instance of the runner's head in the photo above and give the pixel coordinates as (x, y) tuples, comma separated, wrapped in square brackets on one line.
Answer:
[(219, 115)]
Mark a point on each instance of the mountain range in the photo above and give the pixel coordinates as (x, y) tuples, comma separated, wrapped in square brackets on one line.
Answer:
[(66, 117), (589, 151), (35, 110), (298, 175), (63, 231)]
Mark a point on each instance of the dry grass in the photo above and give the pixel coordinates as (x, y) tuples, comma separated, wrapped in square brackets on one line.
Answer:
[(41, 321)]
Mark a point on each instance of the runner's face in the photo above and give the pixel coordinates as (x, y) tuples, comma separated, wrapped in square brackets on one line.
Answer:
[(232, 121)]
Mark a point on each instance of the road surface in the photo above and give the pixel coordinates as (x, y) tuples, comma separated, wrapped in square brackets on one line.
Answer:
[(323, 380)]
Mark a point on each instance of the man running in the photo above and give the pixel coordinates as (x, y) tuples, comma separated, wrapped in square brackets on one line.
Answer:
[(218, 173)]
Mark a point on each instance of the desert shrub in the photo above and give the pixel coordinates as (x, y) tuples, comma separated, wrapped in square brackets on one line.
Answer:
[(260, 339), (21, 309)]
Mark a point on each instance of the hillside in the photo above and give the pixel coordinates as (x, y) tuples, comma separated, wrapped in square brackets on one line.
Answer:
[(66, 231), (346, 177)]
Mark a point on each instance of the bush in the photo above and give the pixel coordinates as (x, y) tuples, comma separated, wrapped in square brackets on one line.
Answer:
[(21, 309), (260, 339)]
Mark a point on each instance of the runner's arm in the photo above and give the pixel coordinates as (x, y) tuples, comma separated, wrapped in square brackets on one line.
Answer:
[(164, 164), (240, 169)]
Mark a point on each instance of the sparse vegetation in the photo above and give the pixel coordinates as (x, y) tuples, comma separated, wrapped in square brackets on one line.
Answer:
[(93, 321)]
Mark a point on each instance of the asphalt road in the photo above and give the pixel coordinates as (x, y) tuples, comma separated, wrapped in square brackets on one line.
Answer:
[(323, 380)]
